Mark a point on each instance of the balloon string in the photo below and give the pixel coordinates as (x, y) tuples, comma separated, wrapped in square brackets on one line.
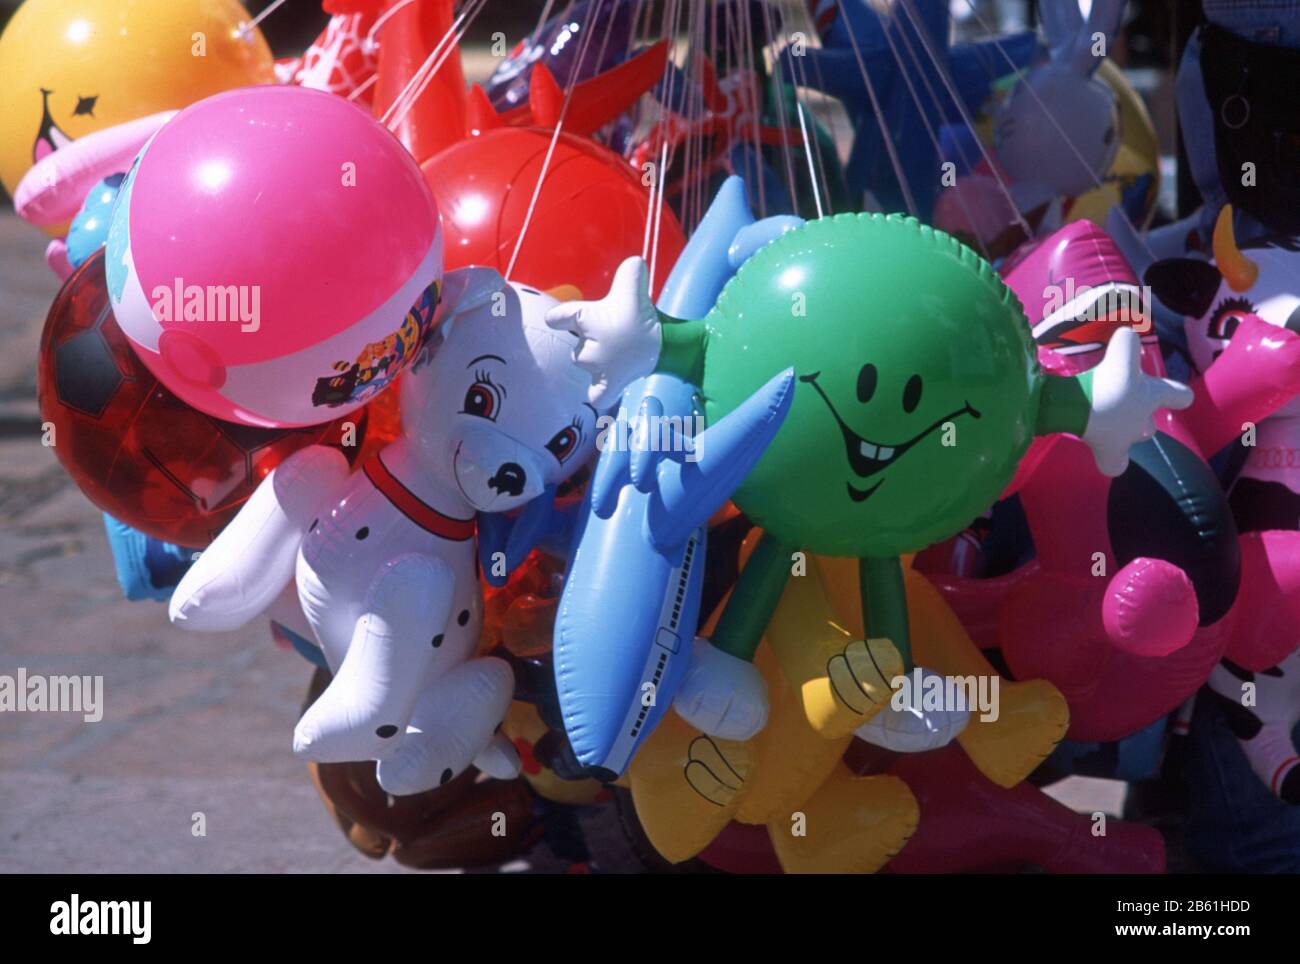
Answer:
[(812, 170), (696, 172), (692, 73), (817, 144), (541, 21), (649, 219), (604, 42), (364, 86), (751, 70), (583, 45), (668, 30), (1020, 78), (935, 99), (671, 24), (778, 93), (658, 208), (890, 148), (928, 43), (420, 73), (421, 79), (448, 49), (369, 42), (817, 166), (925, 120), (249, 27)]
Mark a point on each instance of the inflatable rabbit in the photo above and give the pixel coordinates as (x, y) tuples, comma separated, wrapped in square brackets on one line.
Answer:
[(1054, 136), (1043, 159), (494, 410)]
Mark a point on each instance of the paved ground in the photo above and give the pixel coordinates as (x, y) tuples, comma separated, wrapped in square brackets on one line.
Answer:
[(190, 724)]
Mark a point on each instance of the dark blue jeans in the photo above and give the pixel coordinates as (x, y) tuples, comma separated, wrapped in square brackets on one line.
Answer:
[(1234, 824)]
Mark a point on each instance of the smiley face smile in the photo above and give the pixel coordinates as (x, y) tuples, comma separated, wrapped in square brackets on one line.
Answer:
[(866, 458)]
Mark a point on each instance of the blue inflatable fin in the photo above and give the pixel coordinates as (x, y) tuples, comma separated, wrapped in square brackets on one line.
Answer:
[(627, 618), (690, 491), (725, 237)]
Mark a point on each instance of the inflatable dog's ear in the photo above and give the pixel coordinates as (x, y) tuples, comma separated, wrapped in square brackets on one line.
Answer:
[(463, 289), (467, 288), (1073, 41)]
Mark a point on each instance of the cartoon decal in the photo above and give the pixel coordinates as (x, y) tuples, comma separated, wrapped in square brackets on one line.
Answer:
[(380, 361)]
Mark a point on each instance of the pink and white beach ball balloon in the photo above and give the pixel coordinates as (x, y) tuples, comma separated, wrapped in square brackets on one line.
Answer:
[(275, 256)]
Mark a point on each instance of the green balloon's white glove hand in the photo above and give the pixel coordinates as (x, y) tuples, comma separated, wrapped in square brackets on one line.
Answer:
[(1124, 399), (618, 336), (913, 729)]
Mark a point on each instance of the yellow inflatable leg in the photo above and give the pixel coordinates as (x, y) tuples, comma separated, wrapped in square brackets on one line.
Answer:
[(852, 825), (841, 680), (687, 786), (1032, 714), (791, 759)]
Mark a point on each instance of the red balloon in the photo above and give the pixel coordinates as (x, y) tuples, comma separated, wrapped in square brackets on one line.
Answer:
[(136, 450), (590, 213)]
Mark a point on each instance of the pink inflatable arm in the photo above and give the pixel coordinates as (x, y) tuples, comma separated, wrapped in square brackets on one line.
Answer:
[(978, 603), (1267, 609), (969, 823), (53, 190), (1257, 373)]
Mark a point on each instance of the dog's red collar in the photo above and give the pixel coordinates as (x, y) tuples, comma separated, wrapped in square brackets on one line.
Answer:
[(409, 504)]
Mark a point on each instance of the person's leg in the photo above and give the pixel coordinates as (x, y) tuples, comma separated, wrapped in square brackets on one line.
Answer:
[(1234, 823)]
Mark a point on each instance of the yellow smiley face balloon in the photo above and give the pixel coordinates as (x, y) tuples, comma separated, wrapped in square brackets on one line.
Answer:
[(71, 67)]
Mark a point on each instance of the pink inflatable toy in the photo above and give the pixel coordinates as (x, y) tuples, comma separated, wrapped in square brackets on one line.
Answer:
[(274, 256), (1142, 583), (971, 825), (53, 188)]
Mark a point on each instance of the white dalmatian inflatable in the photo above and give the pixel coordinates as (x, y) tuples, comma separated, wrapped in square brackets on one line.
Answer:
[(493, 411)]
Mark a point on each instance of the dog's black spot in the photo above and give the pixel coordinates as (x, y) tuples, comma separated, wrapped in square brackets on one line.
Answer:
[(363, 532), (463, 618), (437, 641), (386, 731), (446, 775)]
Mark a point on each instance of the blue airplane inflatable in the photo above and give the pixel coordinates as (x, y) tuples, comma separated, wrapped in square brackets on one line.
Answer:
[(631, 602)]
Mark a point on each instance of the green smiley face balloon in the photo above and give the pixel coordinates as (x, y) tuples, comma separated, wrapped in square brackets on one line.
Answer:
[(918, 383)]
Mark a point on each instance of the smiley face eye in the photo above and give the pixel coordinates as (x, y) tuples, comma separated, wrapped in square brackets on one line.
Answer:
[(85, 106), (481, 401), (867, 383), (563, 443), (912, 393)]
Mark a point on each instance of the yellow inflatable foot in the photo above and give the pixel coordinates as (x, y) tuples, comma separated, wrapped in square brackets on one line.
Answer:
[(687, 786), (1032, 719), (851, 825)]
